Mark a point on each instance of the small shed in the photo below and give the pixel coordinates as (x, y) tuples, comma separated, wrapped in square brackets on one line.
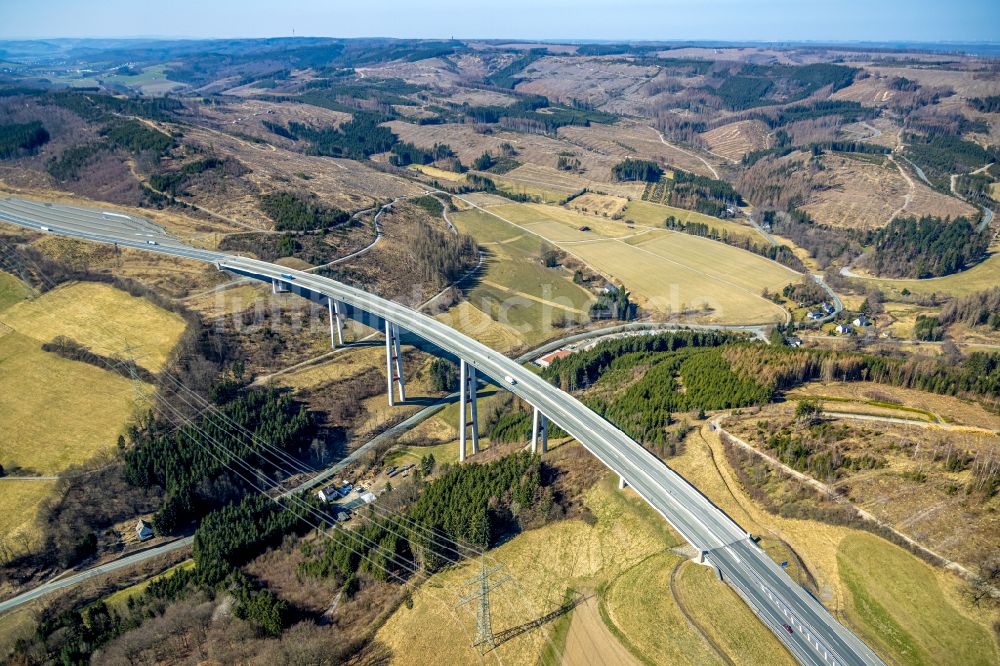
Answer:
[(143, 530)]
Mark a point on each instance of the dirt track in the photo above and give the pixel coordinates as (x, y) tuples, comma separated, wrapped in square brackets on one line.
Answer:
[(589, 641)]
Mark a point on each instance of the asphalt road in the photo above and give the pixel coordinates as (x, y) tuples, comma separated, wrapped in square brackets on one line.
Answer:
[(817, 638), (69, 581)]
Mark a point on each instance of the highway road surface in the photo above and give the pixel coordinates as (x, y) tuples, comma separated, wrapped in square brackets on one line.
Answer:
[(815, 636)]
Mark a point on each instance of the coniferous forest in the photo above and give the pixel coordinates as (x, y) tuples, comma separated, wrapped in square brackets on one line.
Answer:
[(928, 247), (191, 462)]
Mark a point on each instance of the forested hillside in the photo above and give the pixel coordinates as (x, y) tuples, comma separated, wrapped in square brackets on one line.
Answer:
[(928, 247), (191, 463), (294, 212), (21, 138), (638, 382), (469, 505)]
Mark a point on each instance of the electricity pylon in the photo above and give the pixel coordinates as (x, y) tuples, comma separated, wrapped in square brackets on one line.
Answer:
[(484, 629)]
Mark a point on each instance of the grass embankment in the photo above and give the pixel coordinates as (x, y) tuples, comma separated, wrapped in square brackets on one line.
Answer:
[(446, 452), (12, 291), (741, 636), (942, 408), (19, 502), (624, 555), (899, 605), (641, 609), (117, 600), (856, 573)]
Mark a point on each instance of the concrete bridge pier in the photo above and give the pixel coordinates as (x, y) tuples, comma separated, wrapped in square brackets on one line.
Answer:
[(621, 482), (468, 385), (333, 307), (278, 287), (539, 431), (393, 362)]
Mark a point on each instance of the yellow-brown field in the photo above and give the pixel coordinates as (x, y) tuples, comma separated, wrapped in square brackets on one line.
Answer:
[(544, 564), (105, 319), (667, 272), (516, 299), (655, 214), (984, 275), (735, 140), (54, 412), (19, 501), (599, 204), (561, 223), (676, 273), (553, 181), (442, 174), (472, 321), (622, 558)]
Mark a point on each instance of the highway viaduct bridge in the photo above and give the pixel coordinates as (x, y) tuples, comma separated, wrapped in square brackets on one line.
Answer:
[(338, 312), (805, 627)]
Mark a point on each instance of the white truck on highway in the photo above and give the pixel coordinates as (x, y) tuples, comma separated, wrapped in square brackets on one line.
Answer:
[(510, 380)]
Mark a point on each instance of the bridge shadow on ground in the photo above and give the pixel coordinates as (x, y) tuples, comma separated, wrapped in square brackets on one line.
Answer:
[(427, 401)]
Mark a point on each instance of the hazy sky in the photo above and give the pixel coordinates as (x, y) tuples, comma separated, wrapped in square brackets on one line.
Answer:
[(734, 20)]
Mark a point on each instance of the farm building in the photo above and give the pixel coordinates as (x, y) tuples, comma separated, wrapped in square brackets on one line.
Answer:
[(546, 360)]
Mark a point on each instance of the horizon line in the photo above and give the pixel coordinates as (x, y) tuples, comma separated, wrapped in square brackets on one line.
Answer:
[(523, 40)]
